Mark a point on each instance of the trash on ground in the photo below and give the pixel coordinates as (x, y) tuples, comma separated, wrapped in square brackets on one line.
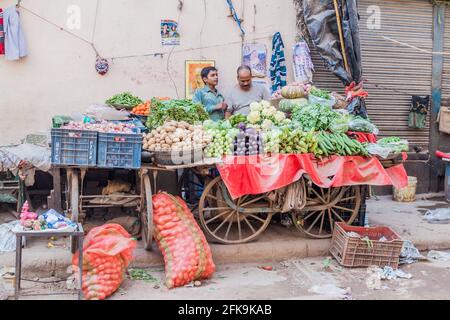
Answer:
[(267, 268), (197, 283), (331, 290), (439, 255), (441, 215), (7, 237), (376, 275), (326, 263), (140, 274), (409, 253)]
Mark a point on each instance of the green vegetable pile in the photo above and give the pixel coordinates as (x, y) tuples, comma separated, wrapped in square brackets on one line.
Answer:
[(314, 117), (360, 124), (339, 144), (396, 144), (320, 93), (297, 141), (178, 110), (124, 99), (236, 119), (139, 274)]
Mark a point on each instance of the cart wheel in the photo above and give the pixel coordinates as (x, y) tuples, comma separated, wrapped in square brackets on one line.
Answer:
[(190, 188), (232, 221), (147, 214), (324, 207), (74, 207)]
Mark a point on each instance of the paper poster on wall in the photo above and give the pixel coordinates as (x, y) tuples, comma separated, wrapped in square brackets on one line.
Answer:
[(169, 33), (255, 56), (193, 77)]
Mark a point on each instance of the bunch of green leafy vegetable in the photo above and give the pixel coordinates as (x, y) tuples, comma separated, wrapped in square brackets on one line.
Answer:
[(178, 110), (124, 99), (314, 117), (320, 93)]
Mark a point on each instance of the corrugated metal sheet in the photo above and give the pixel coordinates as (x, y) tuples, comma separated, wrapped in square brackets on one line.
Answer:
[(446, 69), (394, 71)]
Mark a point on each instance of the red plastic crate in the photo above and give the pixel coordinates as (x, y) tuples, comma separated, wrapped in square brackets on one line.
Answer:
[(355, 252)]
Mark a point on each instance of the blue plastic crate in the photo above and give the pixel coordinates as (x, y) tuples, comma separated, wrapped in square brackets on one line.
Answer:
[(74, 147), (119, 150)]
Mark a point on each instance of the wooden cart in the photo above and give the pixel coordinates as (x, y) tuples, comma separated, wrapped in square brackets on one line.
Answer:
[(241, 220), (77, 201)]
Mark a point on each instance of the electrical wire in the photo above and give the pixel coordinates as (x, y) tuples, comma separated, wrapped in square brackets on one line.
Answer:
[(180, 9), (201, 30)]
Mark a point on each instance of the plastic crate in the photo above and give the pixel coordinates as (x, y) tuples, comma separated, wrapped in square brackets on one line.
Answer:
[(119, 150), (74, 147), (355, 252)]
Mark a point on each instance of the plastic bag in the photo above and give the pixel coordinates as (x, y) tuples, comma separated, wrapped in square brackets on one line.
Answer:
[(377, 150), (324, 102), (363, 125), (107, 252), (340, 124), (438, 215), (187, 255), (104, 112), (55, 220), (7, 236)]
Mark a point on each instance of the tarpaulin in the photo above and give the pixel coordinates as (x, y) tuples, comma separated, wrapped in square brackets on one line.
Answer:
[(259, 174)]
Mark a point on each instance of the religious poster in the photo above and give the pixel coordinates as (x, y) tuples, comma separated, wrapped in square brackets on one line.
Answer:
[(255, 56), (193, 77), (169, 33)]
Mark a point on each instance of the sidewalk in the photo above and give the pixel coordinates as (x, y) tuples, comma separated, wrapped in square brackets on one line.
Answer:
[(276, 244)]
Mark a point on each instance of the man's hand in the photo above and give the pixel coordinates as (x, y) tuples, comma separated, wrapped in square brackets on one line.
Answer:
[(227, 114), (221, 106)]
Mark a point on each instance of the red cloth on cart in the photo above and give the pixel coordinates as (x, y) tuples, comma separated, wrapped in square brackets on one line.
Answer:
[(259, 174)]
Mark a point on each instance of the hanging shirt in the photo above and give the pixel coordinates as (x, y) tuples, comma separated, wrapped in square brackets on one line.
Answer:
[(210, 99), (239, 100), (2, 35), (15, 46)]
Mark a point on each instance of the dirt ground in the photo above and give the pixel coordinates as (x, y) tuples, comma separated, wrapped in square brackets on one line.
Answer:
[(295, 279)]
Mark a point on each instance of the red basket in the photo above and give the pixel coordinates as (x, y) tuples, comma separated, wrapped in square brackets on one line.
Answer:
[(355, 252)]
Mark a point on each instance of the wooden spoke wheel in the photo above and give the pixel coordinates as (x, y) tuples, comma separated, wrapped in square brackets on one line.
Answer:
[(230, 221), (146, 212), (324, 207)]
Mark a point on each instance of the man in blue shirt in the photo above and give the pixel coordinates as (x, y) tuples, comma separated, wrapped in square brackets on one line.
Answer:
[(209, 97)]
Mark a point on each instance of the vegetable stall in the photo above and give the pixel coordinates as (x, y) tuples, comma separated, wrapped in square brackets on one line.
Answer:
[(304, 158)]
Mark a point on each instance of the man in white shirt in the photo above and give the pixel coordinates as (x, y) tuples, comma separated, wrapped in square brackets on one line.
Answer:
[(244, 93)]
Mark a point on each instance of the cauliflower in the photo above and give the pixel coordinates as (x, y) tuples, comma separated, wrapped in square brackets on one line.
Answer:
[(254, 117), (269, 111), (267, 124), (265, 104), (279, 116), (255, 106)]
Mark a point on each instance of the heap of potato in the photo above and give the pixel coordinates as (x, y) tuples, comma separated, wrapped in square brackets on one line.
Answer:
[(176, 136)]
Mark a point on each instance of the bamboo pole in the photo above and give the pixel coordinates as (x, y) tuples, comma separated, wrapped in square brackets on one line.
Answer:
[(341, 35)]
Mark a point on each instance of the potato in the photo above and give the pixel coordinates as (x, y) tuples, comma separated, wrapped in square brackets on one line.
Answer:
[(145, 146), (168, 140)]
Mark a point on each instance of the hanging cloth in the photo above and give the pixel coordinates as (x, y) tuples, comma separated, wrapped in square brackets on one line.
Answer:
[(277, 63), (2, 34), (15, 46), (418, 112)]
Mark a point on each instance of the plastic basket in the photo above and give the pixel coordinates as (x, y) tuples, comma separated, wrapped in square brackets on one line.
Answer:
[(119, 150), (74, 147), (355, 252)]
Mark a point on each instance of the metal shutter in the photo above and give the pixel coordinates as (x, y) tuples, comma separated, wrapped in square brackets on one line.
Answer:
[(394, 72), (446, 69)]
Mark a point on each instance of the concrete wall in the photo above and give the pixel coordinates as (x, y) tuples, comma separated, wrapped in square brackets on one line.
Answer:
[(58, 76)]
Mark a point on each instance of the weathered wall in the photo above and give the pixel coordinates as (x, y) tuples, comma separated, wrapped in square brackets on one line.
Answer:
[(58, 76)]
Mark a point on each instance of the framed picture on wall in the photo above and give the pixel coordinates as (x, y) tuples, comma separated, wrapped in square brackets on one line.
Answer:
[(193, 77)]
